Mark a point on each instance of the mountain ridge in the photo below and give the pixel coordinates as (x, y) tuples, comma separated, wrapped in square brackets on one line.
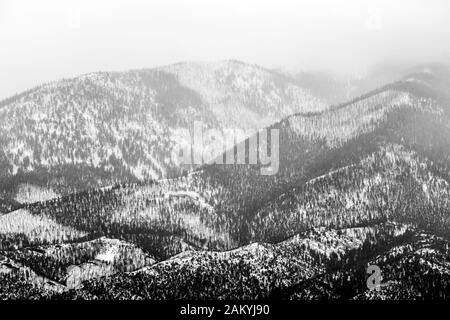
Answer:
[(78, 124), (366, 182)]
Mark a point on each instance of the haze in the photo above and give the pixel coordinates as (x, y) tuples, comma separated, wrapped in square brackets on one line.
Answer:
[(41, 41)]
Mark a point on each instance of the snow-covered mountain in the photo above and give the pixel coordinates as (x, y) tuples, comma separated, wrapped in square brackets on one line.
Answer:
[(361, 183), (106, 127), (225, 206)]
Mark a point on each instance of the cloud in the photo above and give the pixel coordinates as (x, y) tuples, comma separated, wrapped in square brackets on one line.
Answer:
[(51, 39)]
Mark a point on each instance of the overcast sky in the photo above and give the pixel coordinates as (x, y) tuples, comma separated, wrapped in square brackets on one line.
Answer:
[(46, 40)]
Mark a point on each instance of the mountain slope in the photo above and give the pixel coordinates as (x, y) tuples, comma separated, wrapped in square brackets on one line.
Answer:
[(103, 128), (318, 264), (225, 206), (356, 185)]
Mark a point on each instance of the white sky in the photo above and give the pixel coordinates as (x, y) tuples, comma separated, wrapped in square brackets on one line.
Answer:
[(46, 40)]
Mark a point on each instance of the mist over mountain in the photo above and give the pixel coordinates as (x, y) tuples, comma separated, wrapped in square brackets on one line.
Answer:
[(337, 88)]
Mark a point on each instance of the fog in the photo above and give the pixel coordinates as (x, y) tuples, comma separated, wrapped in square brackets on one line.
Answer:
[(46, 40)]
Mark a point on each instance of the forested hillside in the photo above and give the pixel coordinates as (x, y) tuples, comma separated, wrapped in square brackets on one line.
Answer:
[(365, 182), (112, 127)]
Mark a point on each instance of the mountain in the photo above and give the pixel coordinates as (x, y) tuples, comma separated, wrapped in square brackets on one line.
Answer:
[(108, 127), (362, 183), (337, 89), (318, 264)]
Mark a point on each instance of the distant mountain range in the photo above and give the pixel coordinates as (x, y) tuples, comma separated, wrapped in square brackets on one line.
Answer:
[(361, 183), (337, 89)]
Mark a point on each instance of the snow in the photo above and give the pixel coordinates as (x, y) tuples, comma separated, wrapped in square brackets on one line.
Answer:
[(28, 193), (37, 227), (193, 195), (109, 255)]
